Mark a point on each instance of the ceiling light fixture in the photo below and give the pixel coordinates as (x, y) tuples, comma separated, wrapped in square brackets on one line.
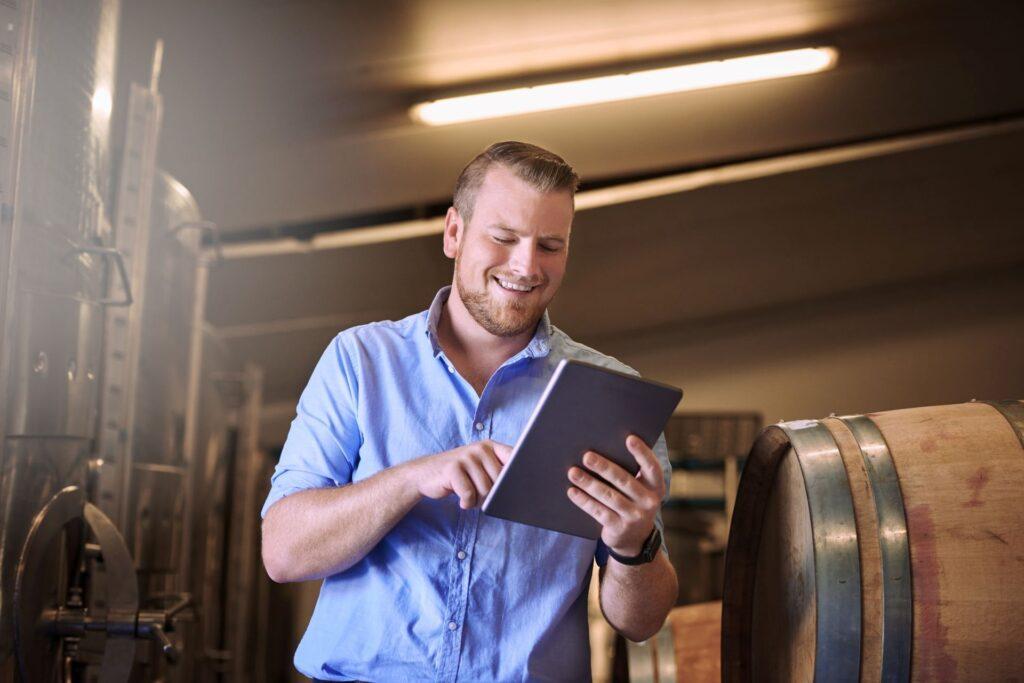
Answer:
[(673, 79)]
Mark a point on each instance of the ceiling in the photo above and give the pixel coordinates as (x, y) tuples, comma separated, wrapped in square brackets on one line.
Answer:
[(279, 112), (288, 116)]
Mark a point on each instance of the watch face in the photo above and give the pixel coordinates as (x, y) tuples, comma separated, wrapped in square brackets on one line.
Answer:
[(647, 553)]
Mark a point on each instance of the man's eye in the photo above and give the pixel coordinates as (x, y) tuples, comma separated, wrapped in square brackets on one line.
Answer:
[(503, 240), (549, 248)]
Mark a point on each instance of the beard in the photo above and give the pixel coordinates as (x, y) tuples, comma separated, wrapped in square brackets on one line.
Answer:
[(503, 319)]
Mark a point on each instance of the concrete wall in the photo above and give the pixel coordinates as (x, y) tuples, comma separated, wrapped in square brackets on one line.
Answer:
[(930, 343)]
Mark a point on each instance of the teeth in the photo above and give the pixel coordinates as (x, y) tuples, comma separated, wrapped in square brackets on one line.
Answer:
[(514, 287)]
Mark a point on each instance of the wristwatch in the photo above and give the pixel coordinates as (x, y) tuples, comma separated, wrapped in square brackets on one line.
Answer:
[(647, 553)]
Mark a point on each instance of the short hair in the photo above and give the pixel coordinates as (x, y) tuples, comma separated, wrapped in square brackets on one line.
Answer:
[(541, 169)]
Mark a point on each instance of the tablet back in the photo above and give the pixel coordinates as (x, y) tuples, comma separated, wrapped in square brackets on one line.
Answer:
[(584, 407)]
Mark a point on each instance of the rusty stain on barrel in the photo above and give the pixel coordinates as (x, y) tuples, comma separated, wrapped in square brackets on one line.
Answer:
[(976, 483), (937, 664)]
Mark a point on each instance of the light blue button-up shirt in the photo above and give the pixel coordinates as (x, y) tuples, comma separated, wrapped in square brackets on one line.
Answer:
[(448, 594)]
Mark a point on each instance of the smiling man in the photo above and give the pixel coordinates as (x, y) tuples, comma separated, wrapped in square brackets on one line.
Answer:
[(403, 429)]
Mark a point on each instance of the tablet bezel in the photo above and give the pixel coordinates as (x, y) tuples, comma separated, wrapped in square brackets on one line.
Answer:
[(603, 406)]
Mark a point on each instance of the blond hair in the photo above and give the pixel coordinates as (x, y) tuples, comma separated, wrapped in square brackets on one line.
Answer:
[(541, 169)]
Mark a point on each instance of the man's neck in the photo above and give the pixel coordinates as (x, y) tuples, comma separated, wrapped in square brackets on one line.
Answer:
[(473, 349)]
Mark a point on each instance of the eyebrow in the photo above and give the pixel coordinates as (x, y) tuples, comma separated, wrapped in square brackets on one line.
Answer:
[(506, 228)]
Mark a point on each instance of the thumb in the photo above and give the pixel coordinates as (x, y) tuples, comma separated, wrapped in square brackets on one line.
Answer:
[(503, 451)]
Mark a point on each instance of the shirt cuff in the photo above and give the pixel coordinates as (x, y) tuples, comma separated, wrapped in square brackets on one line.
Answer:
[(286, 482)]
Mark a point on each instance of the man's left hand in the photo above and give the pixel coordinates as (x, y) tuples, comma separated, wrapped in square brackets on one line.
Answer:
[(625, 505)]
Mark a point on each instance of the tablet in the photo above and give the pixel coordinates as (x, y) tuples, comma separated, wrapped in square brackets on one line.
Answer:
[(584, 407)]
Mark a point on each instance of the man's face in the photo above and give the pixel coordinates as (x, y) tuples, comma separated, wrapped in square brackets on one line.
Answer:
[(510, 259)]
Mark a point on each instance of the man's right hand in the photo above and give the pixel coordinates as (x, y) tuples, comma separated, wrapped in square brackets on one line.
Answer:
[(469, 472)]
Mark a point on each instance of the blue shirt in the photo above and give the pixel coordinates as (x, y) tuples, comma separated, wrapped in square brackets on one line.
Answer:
[(448, 594)]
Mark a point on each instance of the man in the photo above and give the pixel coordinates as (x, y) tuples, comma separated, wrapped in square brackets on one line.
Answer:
[(402, 431)]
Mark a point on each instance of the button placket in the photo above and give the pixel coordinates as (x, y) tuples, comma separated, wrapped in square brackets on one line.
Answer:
[(479, 426), (452, 635), (464, 542)]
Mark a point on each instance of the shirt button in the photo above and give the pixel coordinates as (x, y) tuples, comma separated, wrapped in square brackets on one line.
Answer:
[(452, 626), (461, 554), (479, 426), (451, 368)]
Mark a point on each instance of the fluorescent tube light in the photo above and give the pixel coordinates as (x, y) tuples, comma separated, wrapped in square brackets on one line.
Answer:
[(673, 79)]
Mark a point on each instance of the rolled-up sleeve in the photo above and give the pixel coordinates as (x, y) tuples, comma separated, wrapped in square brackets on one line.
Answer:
[(324, 440)]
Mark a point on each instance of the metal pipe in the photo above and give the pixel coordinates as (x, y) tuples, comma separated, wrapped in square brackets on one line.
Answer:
[(192, 398), (645, 189)]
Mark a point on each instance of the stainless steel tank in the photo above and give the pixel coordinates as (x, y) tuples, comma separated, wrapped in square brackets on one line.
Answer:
[(123, 544), (231, 590), (156, 528), (217, 441), (56, 92), (163, 463)]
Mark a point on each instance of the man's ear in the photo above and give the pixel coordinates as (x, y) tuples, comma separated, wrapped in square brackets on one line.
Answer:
[(453, 232)]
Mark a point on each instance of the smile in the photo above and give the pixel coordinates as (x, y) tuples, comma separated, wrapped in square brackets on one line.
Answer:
[(513, 287)]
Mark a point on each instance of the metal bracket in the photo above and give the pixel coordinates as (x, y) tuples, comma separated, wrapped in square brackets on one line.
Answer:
[(42, 625), (118, 258), (208, 227)]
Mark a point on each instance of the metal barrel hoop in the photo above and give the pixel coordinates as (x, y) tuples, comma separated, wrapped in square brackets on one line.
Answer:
[(1013, 411), (836, 552), (894, 547)]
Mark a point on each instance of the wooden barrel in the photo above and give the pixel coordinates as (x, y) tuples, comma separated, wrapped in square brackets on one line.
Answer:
[(880, 547), (687, 649)]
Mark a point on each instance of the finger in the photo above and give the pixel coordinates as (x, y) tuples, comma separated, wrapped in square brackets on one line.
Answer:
[(650, 467), (482, 481), (604, 515), (602, 492), (463, 487), (490, 462), (503, 451), (614, 475)]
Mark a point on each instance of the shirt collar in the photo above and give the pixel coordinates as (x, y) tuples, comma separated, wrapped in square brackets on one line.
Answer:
[(539, 346), (434, 318)]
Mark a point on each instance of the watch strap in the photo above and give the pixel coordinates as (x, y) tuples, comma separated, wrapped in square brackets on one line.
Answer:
[(647, 553)]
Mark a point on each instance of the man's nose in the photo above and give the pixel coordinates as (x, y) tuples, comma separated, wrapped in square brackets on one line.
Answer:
[(524, 261)]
